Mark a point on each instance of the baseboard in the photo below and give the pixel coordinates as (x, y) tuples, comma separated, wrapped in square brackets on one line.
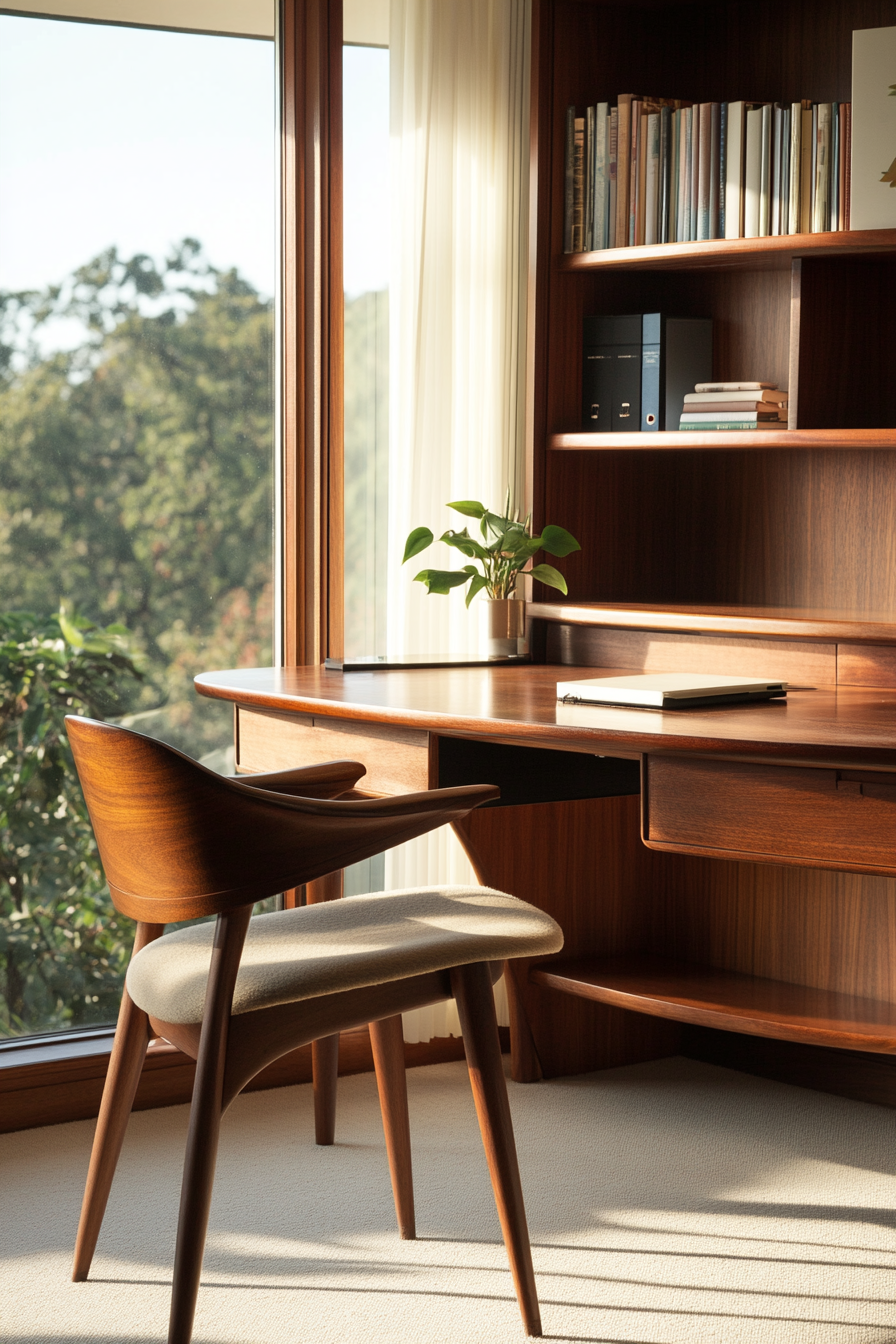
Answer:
[(59, 1090)]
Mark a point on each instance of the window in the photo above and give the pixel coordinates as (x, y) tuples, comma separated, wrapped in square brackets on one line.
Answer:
[(137, 275)]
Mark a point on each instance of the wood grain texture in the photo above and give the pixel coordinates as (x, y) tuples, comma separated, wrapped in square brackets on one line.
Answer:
[(842, 727), (865, 665), (761, 441), (583, 863), (780, 815), (753, 254), (387, 1043), (652, 651), (704, 996), (795, 623), (396, 759)]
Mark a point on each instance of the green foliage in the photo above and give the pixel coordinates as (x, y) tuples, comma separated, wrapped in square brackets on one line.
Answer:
[(136, 469), (63, 948), (506, 548)]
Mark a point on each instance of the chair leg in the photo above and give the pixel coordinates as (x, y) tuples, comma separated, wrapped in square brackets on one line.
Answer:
[(205, 1123), (325, 1053), (387, 1039), (325, 1073), (472, 989), (122, 1078)]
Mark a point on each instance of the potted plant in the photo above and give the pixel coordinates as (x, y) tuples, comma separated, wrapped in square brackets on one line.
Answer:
[(506, 548)]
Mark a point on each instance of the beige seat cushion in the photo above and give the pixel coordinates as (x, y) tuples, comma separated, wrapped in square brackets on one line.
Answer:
[(340, 945)]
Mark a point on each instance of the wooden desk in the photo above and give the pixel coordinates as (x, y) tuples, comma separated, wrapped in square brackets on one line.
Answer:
[(761, 900)]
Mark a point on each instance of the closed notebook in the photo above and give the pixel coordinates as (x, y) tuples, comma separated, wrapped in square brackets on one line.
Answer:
[(668, 690)]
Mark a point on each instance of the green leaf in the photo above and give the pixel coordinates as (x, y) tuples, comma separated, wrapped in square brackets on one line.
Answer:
[(557, 541), (418, 540), (475, 587), (441, 580), (549, 575), (462, 541), (70, 631), (470, 508)]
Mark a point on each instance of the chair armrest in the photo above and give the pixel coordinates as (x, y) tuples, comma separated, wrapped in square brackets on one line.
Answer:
[(327, 780)]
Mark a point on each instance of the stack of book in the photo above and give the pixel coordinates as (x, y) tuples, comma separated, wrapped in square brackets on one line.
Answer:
[(659, 170), (734, 406)]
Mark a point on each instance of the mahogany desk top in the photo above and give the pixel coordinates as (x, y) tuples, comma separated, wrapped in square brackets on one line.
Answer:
[(844, 727)]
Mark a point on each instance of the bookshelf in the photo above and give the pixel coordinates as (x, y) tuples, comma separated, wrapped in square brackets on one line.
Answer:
[(705, 548)]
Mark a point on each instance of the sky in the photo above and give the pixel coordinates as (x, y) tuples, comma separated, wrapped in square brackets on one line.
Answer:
[(138, 138)]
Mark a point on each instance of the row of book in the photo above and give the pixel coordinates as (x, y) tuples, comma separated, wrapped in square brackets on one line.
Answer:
[(734, 406), (660, 170)]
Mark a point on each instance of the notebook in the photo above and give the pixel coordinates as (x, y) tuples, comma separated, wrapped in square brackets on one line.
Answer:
[(669, 690)]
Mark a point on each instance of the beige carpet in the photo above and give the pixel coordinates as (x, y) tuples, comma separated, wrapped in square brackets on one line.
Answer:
[(668, 1201)]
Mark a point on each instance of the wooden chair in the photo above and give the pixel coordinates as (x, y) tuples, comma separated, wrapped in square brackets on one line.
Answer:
[(178, 841)]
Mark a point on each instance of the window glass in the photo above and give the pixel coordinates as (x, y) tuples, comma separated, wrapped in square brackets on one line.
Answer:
[(137, 264)]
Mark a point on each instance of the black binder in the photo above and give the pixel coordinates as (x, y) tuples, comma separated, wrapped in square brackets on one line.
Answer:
[(611, 381), (638, 367)]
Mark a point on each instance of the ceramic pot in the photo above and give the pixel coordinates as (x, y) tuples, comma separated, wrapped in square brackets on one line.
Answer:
[(507, 628)]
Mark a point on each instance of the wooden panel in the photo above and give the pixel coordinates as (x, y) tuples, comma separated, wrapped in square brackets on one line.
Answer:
[(784, 815), (797, 623), (581, 862), (732, 253), (705, 996), (865, 665), (397, 758), (650, 651)]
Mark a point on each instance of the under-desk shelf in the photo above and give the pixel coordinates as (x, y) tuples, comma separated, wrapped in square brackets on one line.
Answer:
[(732, 253), (802, 623), (672, 440), (706, 997)]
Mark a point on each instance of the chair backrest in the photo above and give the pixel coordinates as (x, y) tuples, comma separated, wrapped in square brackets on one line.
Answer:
[(178, 841)]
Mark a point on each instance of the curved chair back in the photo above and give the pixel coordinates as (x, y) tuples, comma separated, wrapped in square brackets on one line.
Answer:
[(178, 841)]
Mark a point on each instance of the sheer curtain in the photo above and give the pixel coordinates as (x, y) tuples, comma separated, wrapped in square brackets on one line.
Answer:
[(459, 78)]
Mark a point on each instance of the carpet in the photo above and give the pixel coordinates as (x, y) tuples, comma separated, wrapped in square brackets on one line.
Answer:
[(670, 1201)]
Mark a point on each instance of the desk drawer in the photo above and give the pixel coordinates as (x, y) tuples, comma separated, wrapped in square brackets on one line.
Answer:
[(775, 814), (397, 758)]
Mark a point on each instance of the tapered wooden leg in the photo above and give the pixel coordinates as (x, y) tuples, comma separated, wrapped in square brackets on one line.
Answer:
[(325, 1073), (205, 1123), (122, 1078), (387, 1039), (472, 989), (325, 1052)]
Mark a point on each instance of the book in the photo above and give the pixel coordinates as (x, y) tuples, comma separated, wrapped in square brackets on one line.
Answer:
[(578, 196), (704, 169), (623, 166), (834, 213), (806, 133), (652, 178), (704, 406), (668, 690), (821, 213), (611, 192), (588, 185), (765, 173), (601, 177), (777, 163), (569, 179), (734, 171), (720, 423), (723, 167), (738, 393), (665, 174), (872, 203), (752, 172), (633, 179), (793, 214), (714, 168), (736, 387)]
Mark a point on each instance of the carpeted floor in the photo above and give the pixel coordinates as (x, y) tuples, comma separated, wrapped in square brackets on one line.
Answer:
[(667, 1202)]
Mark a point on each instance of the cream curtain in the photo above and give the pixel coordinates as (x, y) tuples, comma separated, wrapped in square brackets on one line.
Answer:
[(459, 77)]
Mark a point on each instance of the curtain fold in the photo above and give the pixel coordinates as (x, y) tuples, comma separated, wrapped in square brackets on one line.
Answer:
[(459, 81)]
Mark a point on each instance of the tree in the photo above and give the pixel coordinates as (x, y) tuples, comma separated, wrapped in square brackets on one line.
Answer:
[(63, 948)]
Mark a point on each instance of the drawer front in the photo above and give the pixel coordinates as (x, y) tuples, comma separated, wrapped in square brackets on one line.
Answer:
[(775, 814), (397, 759)]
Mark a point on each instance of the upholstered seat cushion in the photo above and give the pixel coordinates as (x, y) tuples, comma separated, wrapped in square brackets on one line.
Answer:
[(340, 945)]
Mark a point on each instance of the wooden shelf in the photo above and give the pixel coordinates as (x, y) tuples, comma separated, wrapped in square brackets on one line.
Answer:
[(708, 997), (759, 439), (818, 623), (733, 253)]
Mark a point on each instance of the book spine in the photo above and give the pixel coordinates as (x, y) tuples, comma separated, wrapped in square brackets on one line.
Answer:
[(704, 170), (623, 166), (569, 178), (674, 169), (848, 171), (643, 153), (806, 154), (785, 170), (793, 214), (752, 172), (777, 130), (634, 146), (765, 177), (734, 172), (652, 179), (814, 165), (599, 207), (821, 213), (690, 181), (578, 206), (834, 220), (612, 189), (723, 167), (665, 176), (588, 184), (714, 155)]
